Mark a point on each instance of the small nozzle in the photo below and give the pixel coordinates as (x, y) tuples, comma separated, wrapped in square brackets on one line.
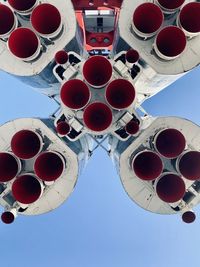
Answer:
[(120, 94), (26, 144), (97, 71), (63, 128), (170, 143), (188, 216), (132, 56), (97, 117), (61, 57), (49, 166), (26, 189), (147, 165), (24, 44), (7, 217), (75, 94), (132, 127), (170, 187)]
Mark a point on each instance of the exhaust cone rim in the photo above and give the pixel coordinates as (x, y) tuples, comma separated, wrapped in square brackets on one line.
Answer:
[(188, 164), (120, 94), (24, 44), (169, 143), (97, 117), (27, 189), (22, 5), (7, 217), (46, 19), (189, 18), (170, 42), (170, 5), (26, 144), (188, 216), (97, 71), (10, 166), (8, 20), (49, 166), (170, 187), (75, 94), (147, 19), (147, 165)]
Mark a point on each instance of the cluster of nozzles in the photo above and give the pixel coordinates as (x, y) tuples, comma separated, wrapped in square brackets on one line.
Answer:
[(112, 94), (151, 165), (27, 183), (43, 20), (170, 41)]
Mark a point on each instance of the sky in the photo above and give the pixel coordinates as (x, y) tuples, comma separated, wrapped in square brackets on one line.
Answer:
[(99, 226)]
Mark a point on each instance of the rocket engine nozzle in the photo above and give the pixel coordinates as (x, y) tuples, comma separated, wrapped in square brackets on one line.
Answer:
[(170, 143), (170, 6), (49, 166), (170, 187), (120, 94), (147, 165), (10, 166), (132, 56), (24, 44), (97, 117), (26, 189), (23, 6), (97, 71), (147, 20), (8, 21), (63, 128), (61, 57), (7, 217), (132, 127), (26, 144), (75, 94), (46, 20), (188, 216), (170, 43), (188, 164)]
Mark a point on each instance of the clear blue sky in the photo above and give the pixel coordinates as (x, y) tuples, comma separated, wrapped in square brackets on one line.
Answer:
[(99, 226)]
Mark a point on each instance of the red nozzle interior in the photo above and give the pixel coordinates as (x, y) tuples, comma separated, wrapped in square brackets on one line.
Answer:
[(46, 19), (97, 71), (189, 165), (97, 117), (132, 127), (9, 167), (190, 17), (120, 94), (148, 18), (22, 5), (188, 216), (61, 57), (23, 43), (170, 188), (26, 144), (171, 4), (171, 41), (170, 143), (7, 217), (63, 128), (75, 94), (147, 165), (132, 56), (26, 189), (7, 19), (49, 166)]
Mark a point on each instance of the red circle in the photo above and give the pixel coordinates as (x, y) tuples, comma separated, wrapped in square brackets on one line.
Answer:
[(188, 216), (147, 165), (26, 189), (132, 127), (7, 19), (174, 4), (49, 166), (25, 144), (61, 57), (75, 94), (189, 165), (132, 56), (7, 217), (97, 117), (170, 188), (120, 94), (8, 167), (190, 17), (23, 43), (97, 71), (147, 18), (63, 128), (22, 5), (170, 143), (46, 19), (171, 41)]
